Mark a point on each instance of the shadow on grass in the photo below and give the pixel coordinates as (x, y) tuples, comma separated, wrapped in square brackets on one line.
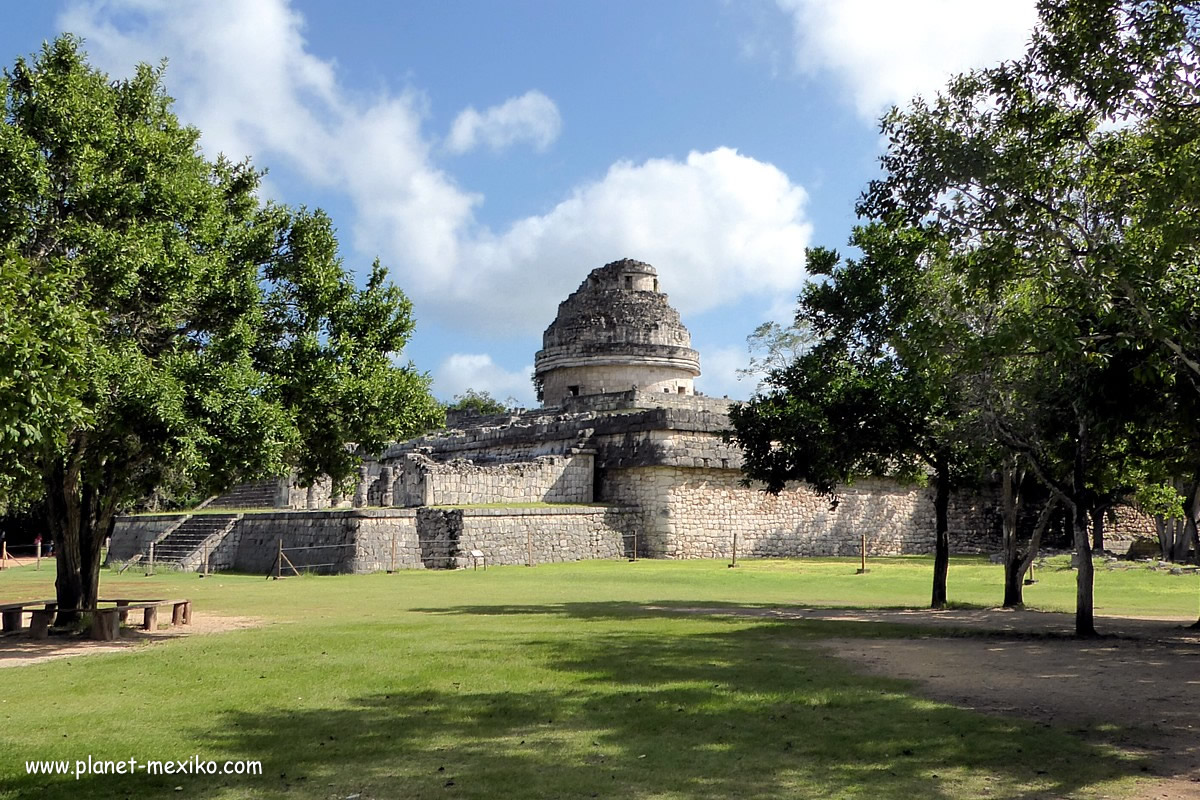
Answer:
[(959, 620), (746, 710)]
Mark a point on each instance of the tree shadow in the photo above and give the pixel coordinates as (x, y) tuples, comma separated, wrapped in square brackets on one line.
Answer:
[(731, 708)]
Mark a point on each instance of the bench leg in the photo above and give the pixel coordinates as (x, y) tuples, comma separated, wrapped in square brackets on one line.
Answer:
[(39, 624), (122, 611), (187, 613), (106, 625), (10, 621), (150, 620)]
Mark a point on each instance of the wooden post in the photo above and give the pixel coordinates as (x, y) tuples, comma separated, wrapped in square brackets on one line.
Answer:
[(105, 625), (733, 563), (204, 574), (3, 555), (393, 569), (150, 563), (279, 561), (633, 554), (38, 553), (528, 547), (39, 624), (862, 549)]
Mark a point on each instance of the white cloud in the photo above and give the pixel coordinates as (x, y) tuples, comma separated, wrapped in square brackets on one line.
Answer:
[(884, 52), (242, 74), (462, 371), (532, 118), (719, 225)]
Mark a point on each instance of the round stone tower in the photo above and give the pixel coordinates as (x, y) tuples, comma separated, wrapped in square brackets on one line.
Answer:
[(614, 333)]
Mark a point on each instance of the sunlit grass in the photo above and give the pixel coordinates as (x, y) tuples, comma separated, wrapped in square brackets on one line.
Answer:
[(570, 680)]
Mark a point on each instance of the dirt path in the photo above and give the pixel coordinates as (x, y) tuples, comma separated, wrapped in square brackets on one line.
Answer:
[(18, 650), (1143, 676)]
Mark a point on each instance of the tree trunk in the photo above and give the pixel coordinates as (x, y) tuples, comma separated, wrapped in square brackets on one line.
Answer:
[(1085, 618), (1085, 621), (1013, 587), (80, 517), (1179, 542), (1015, 571), (1098, 529), (941, 557), (1189, 522), (1035, 542), (1165, 530)]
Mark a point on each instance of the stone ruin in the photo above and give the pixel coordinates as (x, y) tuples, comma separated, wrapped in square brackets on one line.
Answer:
[(630, 456)]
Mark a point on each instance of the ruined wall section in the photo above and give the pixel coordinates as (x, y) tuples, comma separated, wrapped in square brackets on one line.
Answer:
[(355, 541), (641, 398), (133, 534), (422, 481), (689, 512), (522, 535)]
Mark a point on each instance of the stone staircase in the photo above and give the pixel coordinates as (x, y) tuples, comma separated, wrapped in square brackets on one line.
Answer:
[(185, 544), (256, 494)]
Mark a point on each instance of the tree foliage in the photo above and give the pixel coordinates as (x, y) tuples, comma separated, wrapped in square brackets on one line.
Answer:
[(1064, 186), (774, 347), (1031, 267), (480, 402), (877, 395), (159, 322)]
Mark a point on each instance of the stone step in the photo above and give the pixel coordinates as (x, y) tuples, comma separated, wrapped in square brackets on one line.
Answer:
[(257, 494), (185, 542)]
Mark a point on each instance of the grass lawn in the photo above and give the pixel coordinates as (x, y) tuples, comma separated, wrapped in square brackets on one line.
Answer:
[(550, 682)]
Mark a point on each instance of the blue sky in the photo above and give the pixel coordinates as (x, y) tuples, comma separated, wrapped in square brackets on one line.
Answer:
[(492, 153)]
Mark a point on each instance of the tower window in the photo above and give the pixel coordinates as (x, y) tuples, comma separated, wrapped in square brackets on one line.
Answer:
[(656, 284), (628, 281), (682, 390), (574, 390)]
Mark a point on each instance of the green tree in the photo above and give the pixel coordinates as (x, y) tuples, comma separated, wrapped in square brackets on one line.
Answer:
[(1064, 185), (480, 402), (774, 347), (158, 321), (877, 394)]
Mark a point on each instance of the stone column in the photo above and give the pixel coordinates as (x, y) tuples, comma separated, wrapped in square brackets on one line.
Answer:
[(360, 489), (386, 488)]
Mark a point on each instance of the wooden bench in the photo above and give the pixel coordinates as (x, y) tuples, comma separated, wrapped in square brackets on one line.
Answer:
[(12, 614), (106, 621)]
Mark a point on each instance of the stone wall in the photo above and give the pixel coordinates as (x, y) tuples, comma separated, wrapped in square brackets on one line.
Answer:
[(656, 379), (523, 535), (1130, 525), (642, 399), (693, 513), (346, 541), (132, 535), (421, 481), (386, 540), (372, 540)]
